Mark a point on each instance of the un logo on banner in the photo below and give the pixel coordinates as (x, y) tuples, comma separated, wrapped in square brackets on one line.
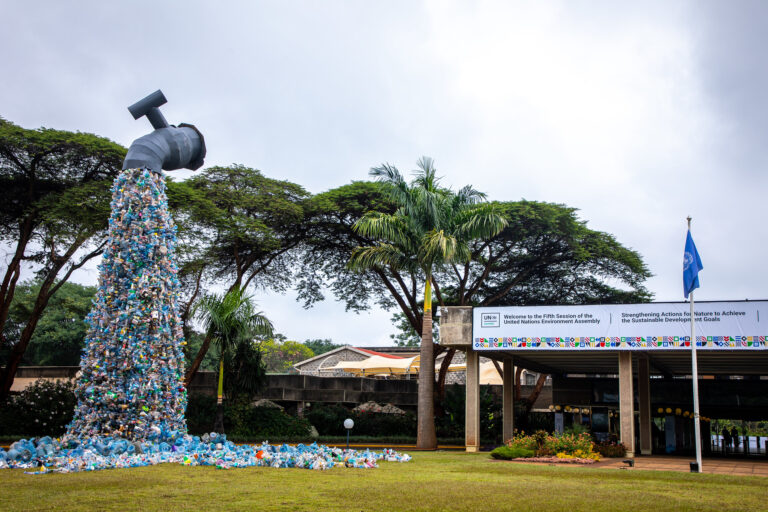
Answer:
[(490, 319), (687, 260)]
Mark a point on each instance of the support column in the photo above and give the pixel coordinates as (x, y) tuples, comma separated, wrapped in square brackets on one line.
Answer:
[(472, 413), (626, 403), (508, 400), (644, 396)]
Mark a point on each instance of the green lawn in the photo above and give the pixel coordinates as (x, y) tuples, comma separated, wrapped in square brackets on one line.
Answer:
[(432, 481)]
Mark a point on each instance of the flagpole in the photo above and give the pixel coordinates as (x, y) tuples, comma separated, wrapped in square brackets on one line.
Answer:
[(694, 364)]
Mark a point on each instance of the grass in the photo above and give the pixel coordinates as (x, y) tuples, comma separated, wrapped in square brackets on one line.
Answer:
[(6, 440), (432, 481), (377, 440)]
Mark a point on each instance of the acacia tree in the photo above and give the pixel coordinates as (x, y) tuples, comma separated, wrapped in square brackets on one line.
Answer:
[(431, 227), (55, 192), (240, 231), (545, 255), (60, 333)]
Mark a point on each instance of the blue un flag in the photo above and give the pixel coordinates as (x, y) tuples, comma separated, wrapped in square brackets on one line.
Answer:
[(691, 266)]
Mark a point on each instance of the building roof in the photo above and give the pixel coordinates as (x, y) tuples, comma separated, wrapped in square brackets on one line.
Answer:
[(362, 351), (375, 353)]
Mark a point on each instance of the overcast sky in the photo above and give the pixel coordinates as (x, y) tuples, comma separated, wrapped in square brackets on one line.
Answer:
[(638, 114)]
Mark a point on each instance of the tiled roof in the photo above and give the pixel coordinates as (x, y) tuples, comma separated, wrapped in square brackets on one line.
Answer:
[(374, 353)]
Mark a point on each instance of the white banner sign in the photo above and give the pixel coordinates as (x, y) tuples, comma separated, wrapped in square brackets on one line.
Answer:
[(739, 325)]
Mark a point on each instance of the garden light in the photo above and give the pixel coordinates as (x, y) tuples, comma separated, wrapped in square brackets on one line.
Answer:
[(348, 424)]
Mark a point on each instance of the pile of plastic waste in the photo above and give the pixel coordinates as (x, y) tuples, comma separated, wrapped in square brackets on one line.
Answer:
[(45, 455)]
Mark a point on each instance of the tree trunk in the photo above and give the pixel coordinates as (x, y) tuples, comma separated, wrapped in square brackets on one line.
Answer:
[(218, 426), (426, 438), (518, 374), (535, 393), (13, 271), (198, 360), (48, 288), (17, 352), (443, 373)]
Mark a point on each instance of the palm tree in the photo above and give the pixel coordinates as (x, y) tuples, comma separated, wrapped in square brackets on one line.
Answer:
[(230, 320), (431, 227)]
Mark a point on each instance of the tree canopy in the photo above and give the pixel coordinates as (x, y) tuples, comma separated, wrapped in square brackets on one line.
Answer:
[(280, 354), (545, 256), (54, 187), (58, 339), (320, 346), (242, 224), (240, 230)]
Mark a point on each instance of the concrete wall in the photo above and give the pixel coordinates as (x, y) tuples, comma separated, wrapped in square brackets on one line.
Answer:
[(307, 388), (46, 372)]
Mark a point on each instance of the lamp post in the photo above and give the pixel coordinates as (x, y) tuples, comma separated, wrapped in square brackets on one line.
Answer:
[(348, 424)]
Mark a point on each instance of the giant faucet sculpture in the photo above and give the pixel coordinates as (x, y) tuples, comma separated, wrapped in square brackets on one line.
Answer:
[(130, 391), (130, 381), (168, 147)]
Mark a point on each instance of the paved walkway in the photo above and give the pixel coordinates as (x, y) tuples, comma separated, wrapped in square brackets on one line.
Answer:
[(668, 463)]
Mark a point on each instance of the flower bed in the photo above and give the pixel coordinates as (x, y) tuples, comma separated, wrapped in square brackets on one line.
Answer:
[(611, 449), (544, 447), (556, 460)]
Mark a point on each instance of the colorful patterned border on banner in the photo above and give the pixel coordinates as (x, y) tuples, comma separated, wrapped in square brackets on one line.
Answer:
[(649, 342)]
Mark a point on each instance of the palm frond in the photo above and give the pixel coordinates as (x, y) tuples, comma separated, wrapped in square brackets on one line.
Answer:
[(386, 173), (483, 222), (231, 318), (438, 246), (392, 228), (468, 195), (377, 256)]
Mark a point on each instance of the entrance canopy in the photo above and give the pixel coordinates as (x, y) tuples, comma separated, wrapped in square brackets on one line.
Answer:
[(666, 363), (378, 365)]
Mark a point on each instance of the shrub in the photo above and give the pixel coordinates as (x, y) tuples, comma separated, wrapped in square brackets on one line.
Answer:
[(520, 440), (43, 408), (511, 452), (560, 445), (569, 443), (611, 449), (243, 420), (577, 429), (329, 421), (381, 424), (201, 413)]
